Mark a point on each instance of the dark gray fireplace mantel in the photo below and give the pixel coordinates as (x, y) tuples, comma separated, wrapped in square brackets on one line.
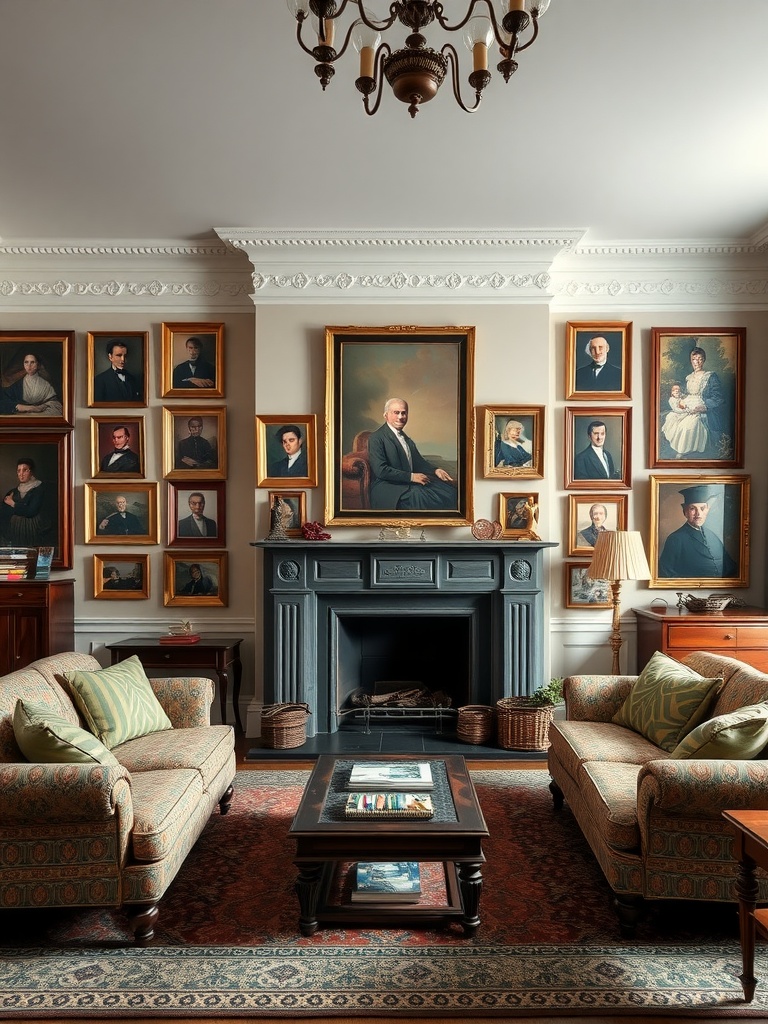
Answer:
[(494, 587)]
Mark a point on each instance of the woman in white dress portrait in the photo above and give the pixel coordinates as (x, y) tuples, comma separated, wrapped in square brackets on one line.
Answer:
[(31, 391)]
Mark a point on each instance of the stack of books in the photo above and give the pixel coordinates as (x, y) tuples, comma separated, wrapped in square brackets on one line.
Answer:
[(179, 638), (413, 776), (398, 882), (389, 805)]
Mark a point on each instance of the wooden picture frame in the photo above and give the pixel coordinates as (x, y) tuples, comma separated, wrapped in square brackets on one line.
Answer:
[(297, 501), (121, 577), (48, 513), (433, 368), (585, 519), (681, 556), (110, 353), (186, 502), (278, 438), (582, 468), (180, 341), (121, 513), (697, 412), (185, 571), (589, 345), (117, 447), (512, 522), (582, 592), (37, 375), (195, 442), (513, 441)]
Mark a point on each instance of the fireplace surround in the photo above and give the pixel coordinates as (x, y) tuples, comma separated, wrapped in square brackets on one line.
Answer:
[(465, 617)]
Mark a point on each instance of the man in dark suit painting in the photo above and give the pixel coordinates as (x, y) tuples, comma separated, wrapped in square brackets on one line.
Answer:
[(595, 462), (121, 521), (195, 371), (294, 462), (401, 477), (122, 459), (197, 524), (599, 374), (195, 452), (116, 384), (693, 551)]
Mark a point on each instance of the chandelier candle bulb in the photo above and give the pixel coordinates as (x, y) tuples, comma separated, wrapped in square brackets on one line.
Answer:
[(517, 5), (367, 55), (480, 57)]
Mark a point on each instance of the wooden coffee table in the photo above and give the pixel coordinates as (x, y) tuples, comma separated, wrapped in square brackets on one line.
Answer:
[(325, 839)]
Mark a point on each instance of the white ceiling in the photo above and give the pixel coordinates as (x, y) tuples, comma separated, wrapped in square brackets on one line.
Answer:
[(163, 119)]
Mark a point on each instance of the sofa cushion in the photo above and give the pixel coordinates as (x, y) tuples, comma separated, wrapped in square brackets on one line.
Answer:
[(117, 703), (739, 736), (576, 743), (609, 790), (206, 748), (46, 738), (164, 802), (667, 701)]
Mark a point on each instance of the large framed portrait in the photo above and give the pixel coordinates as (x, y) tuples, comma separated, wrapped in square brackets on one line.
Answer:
[(699, 531), (193, 360), (581, 591), (697, 397), (514, 441), (195, 581), (197, 514), (399, 426), (286, 450), (36, 379), (121, 577), (597, 448), (36, 492), (598, 361), (294, 506), (195, 442), (118, 368), (512, 515), (121, 513), (117, 447), (591, 514)]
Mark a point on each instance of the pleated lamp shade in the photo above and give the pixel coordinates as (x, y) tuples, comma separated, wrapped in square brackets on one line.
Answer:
[(619, 555)]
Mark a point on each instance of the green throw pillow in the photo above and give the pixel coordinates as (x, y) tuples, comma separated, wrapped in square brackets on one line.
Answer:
[(739, 736), (117, 703), (46, 738), (667, 701)]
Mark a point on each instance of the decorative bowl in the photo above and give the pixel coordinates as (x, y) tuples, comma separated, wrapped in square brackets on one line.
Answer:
[(706, 604)]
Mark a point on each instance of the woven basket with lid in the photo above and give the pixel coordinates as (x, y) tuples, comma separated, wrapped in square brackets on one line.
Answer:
[(284, 725)]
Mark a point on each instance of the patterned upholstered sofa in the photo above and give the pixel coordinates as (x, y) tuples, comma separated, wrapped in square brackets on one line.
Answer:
[(108, 835), (654, 822)]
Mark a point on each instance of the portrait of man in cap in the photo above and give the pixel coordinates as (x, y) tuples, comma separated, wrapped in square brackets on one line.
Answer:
[(694, 550)]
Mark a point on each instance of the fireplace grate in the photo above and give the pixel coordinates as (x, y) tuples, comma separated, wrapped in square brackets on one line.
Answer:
[(440, 715)]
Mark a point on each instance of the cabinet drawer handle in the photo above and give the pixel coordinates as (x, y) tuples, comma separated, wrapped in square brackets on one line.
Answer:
[(166, 656), (20, 595), (729, 636)]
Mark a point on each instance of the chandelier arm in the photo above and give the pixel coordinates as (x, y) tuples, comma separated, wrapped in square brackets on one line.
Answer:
[(383, 51), (532, 40), (377, 26), (300, 19), (453, 60), (443, 22)]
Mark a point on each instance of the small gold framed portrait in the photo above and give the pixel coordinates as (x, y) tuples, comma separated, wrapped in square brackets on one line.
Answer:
[(197, 514), (118, 368), (581, 591), (195, 442), (121, 513), (293, 510), (589, 515), (117, 447), (597, 448), (598, 360), (195, 580), (286, 450), (193, 360), (513, 441), (514, 510), (121, 577)]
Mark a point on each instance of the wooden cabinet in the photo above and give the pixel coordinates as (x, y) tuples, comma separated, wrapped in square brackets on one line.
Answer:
[(36, 619), (736, 632)]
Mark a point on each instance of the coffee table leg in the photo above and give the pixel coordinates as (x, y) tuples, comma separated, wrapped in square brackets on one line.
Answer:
[(747, 893), (471, 885), (308, 891)]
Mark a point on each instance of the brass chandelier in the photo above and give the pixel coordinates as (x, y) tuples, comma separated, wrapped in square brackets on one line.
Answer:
[(416, 71)]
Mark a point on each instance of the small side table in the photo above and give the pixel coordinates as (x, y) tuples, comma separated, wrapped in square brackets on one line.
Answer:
[(751, 849), (216, 653)]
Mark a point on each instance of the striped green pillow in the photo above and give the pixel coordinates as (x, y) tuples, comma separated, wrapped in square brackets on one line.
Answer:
[(739, 736), (117, 703), (46, 738), (667, 701)]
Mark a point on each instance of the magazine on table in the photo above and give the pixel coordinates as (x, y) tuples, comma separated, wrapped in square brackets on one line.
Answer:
[(389, 805), (394, 775), (398, 882)]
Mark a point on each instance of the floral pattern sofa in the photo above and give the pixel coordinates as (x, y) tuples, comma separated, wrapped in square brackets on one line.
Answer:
[(75, 835), (654, 822)]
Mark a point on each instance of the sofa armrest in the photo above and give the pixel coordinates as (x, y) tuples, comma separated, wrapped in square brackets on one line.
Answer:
[(595, 698), (55, 794), (185, 699), (699, 789)]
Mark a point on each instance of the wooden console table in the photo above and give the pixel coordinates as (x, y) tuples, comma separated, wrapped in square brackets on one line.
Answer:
[(750, 847), (216, 653), (736, 632)]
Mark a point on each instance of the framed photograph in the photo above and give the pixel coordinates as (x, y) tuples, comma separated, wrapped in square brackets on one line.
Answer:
[(699, 531), (581, 591), (117, 447), (286, 450), (399, 426), (121, 577), (296, 512), (118, 368), (598, 448), (197, 514), (591, 514), (511, 512), (36, 491), (193, 361), (36, 379), (514, 441), (121, 513), (697, 397), (194, 581), (598, 361), (195, 443)]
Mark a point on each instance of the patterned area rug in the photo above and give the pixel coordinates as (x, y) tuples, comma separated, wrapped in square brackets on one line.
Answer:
[(228, 941)]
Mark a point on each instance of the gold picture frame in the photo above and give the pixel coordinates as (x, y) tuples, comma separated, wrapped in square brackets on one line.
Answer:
[(580, 591), (583, 525), (109, 461), (184, 502), (46, 386), (178, 380), (272, 454), (611, 352), (513, 523), (192, 452), (513, 441), (582, 468), (121, 577), (121, 513), (104, 360), (182, 580), (297, 501)]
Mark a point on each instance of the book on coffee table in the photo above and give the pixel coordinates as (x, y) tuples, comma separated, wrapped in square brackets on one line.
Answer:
[(398, 882), (389, 805), (395, 775)]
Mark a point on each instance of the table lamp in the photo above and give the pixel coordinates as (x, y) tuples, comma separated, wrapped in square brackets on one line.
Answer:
[(618, 555)]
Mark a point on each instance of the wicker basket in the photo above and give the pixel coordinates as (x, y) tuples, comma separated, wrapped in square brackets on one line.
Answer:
[(284, 725), (476, 723), (523, 725)]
